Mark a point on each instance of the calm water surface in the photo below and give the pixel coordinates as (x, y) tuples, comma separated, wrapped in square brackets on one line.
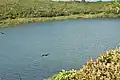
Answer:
[(70, 44)]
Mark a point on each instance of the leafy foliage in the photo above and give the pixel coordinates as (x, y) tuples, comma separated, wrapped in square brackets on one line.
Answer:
[(105, 67), (65, 75), (117, 6), (37, 8)]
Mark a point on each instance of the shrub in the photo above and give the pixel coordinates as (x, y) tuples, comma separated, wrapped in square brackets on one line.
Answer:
[(37, 8), (105, 67)]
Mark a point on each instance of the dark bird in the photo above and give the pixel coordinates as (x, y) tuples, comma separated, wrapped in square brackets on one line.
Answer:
[(2, 32), (45, 54)]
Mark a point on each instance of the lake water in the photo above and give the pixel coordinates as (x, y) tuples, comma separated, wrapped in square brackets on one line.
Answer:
[(70, 44)]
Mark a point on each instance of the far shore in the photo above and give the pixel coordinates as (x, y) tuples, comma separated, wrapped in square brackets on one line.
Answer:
[(18, 21)]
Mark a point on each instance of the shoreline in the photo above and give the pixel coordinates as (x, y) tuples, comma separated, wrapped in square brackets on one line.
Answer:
[(105, 65), (13, 22)]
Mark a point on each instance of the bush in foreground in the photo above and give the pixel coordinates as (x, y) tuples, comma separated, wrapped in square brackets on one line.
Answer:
[(105, 67)]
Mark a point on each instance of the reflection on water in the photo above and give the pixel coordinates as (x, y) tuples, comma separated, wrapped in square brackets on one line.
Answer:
[(70, 44)]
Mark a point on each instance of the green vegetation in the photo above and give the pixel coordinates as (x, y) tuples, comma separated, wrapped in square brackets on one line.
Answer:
[(116, 6), (14, 12), (105, 67)]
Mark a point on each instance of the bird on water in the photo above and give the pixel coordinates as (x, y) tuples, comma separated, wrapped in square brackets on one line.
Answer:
[(2, 32), (45, 54)]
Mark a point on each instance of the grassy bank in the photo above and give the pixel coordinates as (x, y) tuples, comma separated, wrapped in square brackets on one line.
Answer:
[(14, 12), (105, 67), (12, 22)]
